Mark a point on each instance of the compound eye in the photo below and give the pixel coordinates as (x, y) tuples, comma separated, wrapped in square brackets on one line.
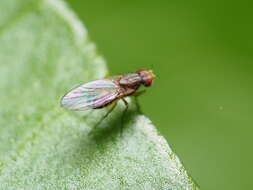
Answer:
[(141, 70), (148, 82)]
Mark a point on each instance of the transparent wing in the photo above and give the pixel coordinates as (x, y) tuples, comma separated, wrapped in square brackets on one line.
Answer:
[(93, 94)]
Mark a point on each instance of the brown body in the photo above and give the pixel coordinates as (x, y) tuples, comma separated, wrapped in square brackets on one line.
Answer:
[(100, 93), (129, 83)]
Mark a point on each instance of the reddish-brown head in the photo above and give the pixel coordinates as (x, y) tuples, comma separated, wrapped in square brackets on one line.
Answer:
[(147, 76)]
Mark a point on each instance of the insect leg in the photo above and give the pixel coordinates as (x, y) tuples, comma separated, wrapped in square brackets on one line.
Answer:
[(123, 115), (136, 95), (125, 102), (109, 111)]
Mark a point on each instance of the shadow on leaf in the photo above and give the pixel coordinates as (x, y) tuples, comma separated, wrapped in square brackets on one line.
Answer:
[(112, 127)]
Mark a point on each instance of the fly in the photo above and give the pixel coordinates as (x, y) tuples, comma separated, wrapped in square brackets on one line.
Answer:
[(100, 93)]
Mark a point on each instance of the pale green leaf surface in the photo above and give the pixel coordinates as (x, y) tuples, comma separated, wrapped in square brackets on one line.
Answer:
[(44, 51)]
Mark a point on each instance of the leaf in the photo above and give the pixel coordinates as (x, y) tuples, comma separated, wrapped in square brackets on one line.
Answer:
[(44, 52)]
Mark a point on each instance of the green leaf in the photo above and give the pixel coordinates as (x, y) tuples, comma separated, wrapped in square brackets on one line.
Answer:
[(44, 52)]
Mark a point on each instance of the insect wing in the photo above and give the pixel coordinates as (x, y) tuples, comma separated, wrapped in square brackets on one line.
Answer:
[(91, 95)]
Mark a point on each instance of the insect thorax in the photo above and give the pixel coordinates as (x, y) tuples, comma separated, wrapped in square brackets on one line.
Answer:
[(131, 80)]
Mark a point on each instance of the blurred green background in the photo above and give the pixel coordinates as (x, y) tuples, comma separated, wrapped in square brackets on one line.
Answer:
[(202, 99)]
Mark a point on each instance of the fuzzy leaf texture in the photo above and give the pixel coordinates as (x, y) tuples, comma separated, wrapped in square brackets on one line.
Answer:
[(44, 52)]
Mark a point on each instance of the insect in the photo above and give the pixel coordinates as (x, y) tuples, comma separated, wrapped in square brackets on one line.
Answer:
[(100, 93)]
